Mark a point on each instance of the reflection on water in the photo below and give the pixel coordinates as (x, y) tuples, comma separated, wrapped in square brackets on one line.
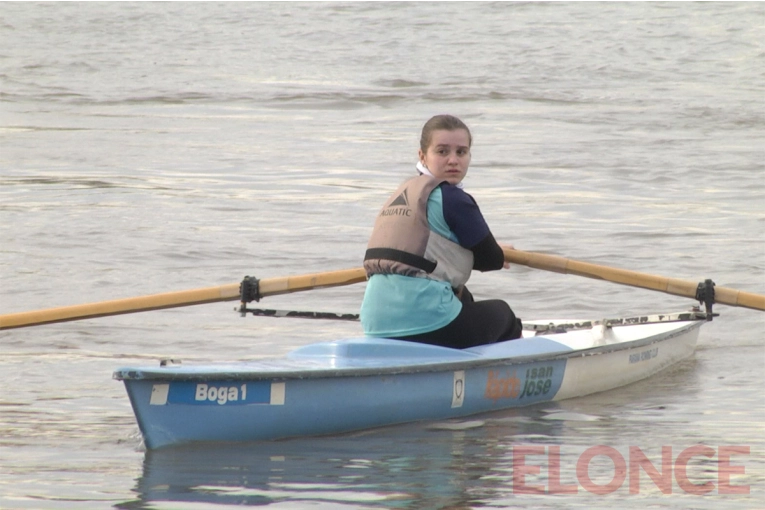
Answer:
[(410, 466)]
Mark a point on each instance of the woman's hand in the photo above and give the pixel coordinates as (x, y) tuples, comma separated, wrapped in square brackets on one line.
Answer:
[(506, 265)]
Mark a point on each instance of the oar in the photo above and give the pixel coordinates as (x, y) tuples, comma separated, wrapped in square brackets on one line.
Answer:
[(288, 284), (673, 286), (230, 292)]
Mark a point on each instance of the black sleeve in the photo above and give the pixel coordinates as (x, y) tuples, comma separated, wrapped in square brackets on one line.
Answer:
[(488, 255)]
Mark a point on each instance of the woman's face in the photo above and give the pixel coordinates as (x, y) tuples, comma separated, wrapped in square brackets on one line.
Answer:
[(448, 155)]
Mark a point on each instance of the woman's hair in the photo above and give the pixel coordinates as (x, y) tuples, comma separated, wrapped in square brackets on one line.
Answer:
[(441, 122)]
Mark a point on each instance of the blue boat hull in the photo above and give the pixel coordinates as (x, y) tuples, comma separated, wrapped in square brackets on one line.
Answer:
[(359, 384), (326, 406)]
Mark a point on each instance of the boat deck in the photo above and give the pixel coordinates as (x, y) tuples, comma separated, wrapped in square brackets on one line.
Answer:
[(365, 356)]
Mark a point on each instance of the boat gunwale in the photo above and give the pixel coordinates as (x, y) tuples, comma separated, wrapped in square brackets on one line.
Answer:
[(161, 373)]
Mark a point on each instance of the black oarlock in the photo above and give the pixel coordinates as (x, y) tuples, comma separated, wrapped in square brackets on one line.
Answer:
[(705, 293), (249, 290)]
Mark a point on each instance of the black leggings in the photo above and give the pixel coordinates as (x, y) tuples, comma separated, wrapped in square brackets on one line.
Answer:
[(479, 322)]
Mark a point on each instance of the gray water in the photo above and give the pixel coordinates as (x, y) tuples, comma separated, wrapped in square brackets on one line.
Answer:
[(150, 148)]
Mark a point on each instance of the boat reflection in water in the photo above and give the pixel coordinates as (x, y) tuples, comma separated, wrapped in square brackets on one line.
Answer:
[(422, 465)]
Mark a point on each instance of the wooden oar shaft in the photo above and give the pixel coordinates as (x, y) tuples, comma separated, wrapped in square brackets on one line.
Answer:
[(288, 284), (673, 286), (230, 292)]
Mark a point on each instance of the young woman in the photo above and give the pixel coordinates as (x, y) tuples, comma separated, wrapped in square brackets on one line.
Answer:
[(427, 239)]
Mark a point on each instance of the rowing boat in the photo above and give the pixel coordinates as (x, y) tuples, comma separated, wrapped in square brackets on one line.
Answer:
[(354, 384)]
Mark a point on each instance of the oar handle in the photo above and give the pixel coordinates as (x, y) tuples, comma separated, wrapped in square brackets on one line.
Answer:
[(673, 286), (230, 292)]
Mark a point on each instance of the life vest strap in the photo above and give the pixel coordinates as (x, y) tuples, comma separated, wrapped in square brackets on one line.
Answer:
[(401, 256)]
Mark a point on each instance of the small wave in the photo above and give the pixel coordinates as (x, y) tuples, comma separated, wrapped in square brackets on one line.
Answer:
[(399, 83), (75, 182), (41, 128), (334, 100), (182, 98), (670, 234), (80, 182)]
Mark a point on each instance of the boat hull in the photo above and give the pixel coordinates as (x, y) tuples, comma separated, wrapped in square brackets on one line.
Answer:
[(592, 374), (346, 386)]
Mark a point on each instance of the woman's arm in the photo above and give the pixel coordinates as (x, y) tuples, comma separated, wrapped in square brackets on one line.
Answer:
[(488, 255), (464, 218)]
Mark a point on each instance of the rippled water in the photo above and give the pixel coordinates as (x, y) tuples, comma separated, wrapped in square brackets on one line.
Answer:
[(150, 147)]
